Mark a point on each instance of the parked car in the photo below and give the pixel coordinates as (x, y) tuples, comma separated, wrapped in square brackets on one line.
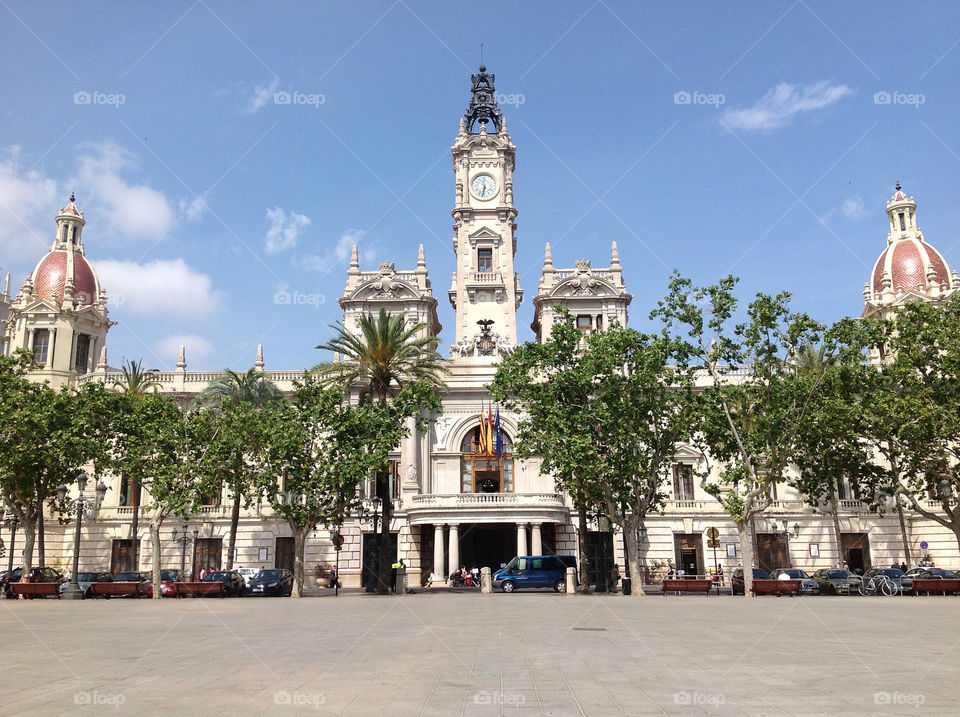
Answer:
[(84, 580), (885, 581), (534, 571), (931, 573), (167, 579), (808, 586), (833, 581), (736, 581), (271, 582), (144, 577), (232, 582), (37, 575), (247, 574)]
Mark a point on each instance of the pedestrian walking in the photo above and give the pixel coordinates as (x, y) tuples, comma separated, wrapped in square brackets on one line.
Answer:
[(720, 574), (614, 577), (203, 573)]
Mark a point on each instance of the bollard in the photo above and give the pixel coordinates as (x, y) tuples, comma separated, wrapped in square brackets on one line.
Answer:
[(401, 581), (571, 581), (486, 581)]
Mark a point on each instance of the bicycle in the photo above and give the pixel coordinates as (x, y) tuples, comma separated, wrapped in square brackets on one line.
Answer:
[(877, 584)]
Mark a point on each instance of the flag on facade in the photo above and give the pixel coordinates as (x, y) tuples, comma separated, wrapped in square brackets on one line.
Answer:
[(483, 429), (499, 438), (490, 430)]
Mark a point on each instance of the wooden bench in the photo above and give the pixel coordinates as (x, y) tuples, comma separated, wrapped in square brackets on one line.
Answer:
[(933, 585), (776, 587), (686, 585), (118, 589), (32, 590), (200, 589)]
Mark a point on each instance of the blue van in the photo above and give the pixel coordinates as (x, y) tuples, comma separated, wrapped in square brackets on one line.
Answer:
[(535, 571)]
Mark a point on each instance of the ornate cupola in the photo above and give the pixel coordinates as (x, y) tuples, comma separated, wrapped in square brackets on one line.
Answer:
[(909, 267), (483, 104), (60, 313)]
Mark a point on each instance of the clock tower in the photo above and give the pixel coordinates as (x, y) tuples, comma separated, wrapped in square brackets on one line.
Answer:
[(485, 291)]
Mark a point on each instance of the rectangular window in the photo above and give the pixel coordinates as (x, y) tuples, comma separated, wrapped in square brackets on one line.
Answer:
[(83, 353), (41, 344), (846, 490), (485, 260), (585, 325), (392, 478), (683, 481), (903, 226)]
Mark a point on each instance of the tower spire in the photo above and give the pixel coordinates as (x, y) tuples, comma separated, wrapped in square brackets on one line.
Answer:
[(483, 102), (258, 364)]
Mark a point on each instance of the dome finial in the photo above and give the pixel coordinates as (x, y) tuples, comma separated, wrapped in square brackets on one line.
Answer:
[(73, 197), (898, 185)]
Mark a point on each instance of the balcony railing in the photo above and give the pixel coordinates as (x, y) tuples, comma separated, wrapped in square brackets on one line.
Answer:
[(478, 499)]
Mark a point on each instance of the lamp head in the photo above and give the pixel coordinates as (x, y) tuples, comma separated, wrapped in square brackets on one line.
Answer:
[(101, 492), (81, 479), (62, 492)]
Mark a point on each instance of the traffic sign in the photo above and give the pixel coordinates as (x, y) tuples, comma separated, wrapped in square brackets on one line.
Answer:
[(713, 533), (713, 543), (923, 545)]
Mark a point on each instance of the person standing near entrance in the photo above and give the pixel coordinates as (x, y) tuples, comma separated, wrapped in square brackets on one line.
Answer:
[(614, 577), (203, 574), (393, 575)]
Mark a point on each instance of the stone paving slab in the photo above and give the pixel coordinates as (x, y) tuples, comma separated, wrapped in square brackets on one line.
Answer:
[(475, 655)]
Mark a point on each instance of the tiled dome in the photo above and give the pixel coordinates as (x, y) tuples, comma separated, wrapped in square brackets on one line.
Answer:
[(50, 278)]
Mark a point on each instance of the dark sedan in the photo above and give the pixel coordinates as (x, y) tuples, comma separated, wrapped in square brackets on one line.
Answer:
[(84, 580), (837, 582), (232, 582), (808, 586), (37, 575), (271, 582), (736, 582)]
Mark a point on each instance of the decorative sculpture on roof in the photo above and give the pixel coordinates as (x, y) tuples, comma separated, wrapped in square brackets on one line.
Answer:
[(386, 285), (584, 283)]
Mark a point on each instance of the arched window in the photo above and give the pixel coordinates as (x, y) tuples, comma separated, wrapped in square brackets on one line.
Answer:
[(482, 473)]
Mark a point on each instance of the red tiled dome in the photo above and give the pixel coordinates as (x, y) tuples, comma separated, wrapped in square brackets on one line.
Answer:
[(907, 261), (51, 277)]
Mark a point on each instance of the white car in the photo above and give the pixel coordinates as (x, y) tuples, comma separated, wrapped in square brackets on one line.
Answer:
[(247, 574)]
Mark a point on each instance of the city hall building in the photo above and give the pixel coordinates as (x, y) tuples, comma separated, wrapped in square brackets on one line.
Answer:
[(454, 504)]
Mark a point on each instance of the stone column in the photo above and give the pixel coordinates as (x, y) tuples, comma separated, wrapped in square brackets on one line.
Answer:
[(536, 544), (453, 551), (438, 552), (521, 538)]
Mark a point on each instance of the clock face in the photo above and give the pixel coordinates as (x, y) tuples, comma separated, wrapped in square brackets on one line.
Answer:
[(484, 186)]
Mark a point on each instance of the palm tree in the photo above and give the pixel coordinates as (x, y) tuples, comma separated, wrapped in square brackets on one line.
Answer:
[(384, 357), (255, 389), (135, 382)]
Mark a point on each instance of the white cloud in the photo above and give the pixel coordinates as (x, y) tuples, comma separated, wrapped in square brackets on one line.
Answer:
[(284, 229), (28, 204), (157, 288), (339, 255), (196, 347), (261, 97), (193, 209), (135, 211), (778, 107), (853, 208)]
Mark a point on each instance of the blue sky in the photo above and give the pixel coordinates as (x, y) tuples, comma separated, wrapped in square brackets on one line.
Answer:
[(207, 198)]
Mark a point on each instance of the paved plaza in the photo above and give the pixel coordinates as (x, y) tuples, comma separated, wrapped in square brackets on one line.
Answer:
[(445, 653)]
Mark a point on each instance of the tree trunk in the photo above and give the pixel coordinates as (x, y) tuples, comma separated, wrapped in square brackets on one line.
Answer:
[(745, 534), (41, 545), (838, 536), (632, 548), (299, 548), (903, 534), (386, 561), (29, 529), (584, 587), (136, 524), (155, 546), (234, 522)]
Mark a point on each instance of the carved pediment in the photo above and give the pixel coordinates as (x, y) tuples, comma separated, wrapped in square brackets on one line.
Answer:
[(584, 284), (485, 234), (387, 287)]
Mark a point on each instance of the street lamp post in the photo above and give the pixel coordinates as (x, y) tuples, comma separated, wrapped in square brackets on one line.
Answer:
[(337, 540), (785, 532), (183, 541), (10, 521), (79, 504), (374, 518)]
